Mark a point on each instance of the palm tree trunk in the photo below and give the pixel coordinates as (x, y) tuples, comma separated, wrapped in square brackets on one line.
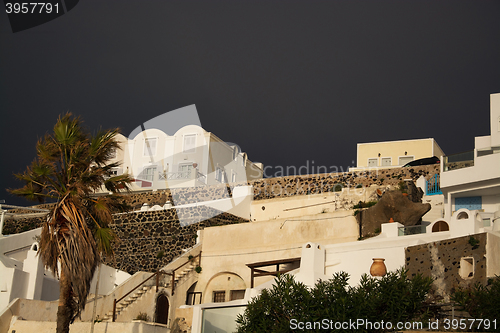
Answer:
[(95, 298), (64, 311)]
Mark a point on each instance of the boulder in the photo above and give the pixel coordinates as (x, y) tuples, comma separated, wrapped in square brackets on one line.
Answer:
[(393, 204), (415, 193)]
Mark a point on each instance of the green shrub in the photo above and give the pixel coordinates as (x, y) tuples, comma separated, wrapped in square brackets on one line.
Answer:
[(143, 316), (365, 204), (160, 254), (392, 298), (481, 301), (197, 269), (402, 186), (473, 242)]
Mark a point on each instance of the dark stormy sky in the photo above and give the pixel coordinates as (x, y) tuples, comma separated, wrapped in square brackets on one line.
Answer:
[(289, 81)]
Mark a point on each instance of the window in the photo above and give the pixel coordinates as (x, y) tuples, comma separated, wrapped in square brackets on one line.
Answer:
[(189, 143), (220, 175), (373, 162), (150, 146), (440, 226), (148, 173), (405, 159), (219, 296), (386, 161), (233, 177), (466, 268), (186, 167), (237, 294), (471, 203)]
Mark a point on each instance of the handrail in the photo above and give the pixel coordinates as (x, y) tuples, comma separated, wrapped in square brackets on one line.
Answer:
[(318, 204), (157, 274), (189, 260), (115, 301)]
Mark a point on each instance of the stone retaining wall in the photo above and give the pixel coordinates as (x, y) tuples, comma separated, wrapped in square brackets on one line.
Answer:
[(266, 188), (269, 188), (150, 240), (21, 225), (441, 261)]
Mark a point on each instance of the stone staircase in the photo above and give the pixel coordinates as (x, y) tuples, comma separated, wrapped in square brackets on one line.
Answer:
[(437, 207), (120, 307), (164, 282), (181, 272)]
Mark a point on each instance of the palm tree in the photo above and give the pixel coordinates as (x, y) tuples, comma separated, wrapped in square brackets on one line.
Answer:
[(70, 166)]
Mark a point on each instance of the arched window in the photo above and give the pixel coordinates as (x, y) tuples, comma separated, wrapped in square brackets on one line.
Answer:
[(440, 226)]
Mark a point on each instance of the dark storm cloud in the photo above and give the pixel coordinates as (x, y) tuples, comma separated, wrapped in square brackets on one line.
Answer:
[(289, 81)]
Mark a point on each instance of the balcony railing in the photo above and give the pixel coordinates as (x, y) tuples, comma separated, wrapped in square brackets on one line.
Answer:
[(201, 177), (175, 175), (183, 175), (458, 161), (411, 230)]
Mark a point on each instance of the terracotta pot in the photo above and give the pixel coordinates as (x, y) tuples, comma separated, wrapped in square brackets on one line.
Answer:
[(378, 267)]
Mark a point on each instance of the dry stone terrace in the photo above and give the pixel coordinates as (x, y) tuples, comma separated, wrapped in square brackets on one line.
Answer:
[(441, 260), (151, 239)]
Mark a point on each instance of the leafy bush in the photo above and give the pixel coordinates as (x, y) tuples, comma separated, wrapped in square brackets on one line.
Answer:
[(160, 254), (392, 298), (480, 301), (143, 316), (473, 242), (365, 204)]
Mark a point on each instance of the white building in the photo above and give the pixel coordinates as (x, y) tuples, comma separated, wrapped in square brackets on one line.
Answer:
[(190, 157), (22, 273), (307, 236), (471, 180)]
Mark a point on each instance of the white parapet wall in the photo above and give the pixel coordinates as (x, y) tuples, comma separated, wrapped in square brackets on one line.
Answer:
[(102, 327)]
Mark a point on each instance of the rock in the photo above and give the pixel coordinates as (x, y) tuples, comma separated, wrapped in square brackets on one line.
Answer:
[(415, 193), (392, 204), (180, 325)]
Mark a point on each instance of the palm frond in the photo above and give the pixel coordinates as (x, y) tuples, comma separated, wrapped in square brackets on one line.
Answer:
[(105, 238)]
